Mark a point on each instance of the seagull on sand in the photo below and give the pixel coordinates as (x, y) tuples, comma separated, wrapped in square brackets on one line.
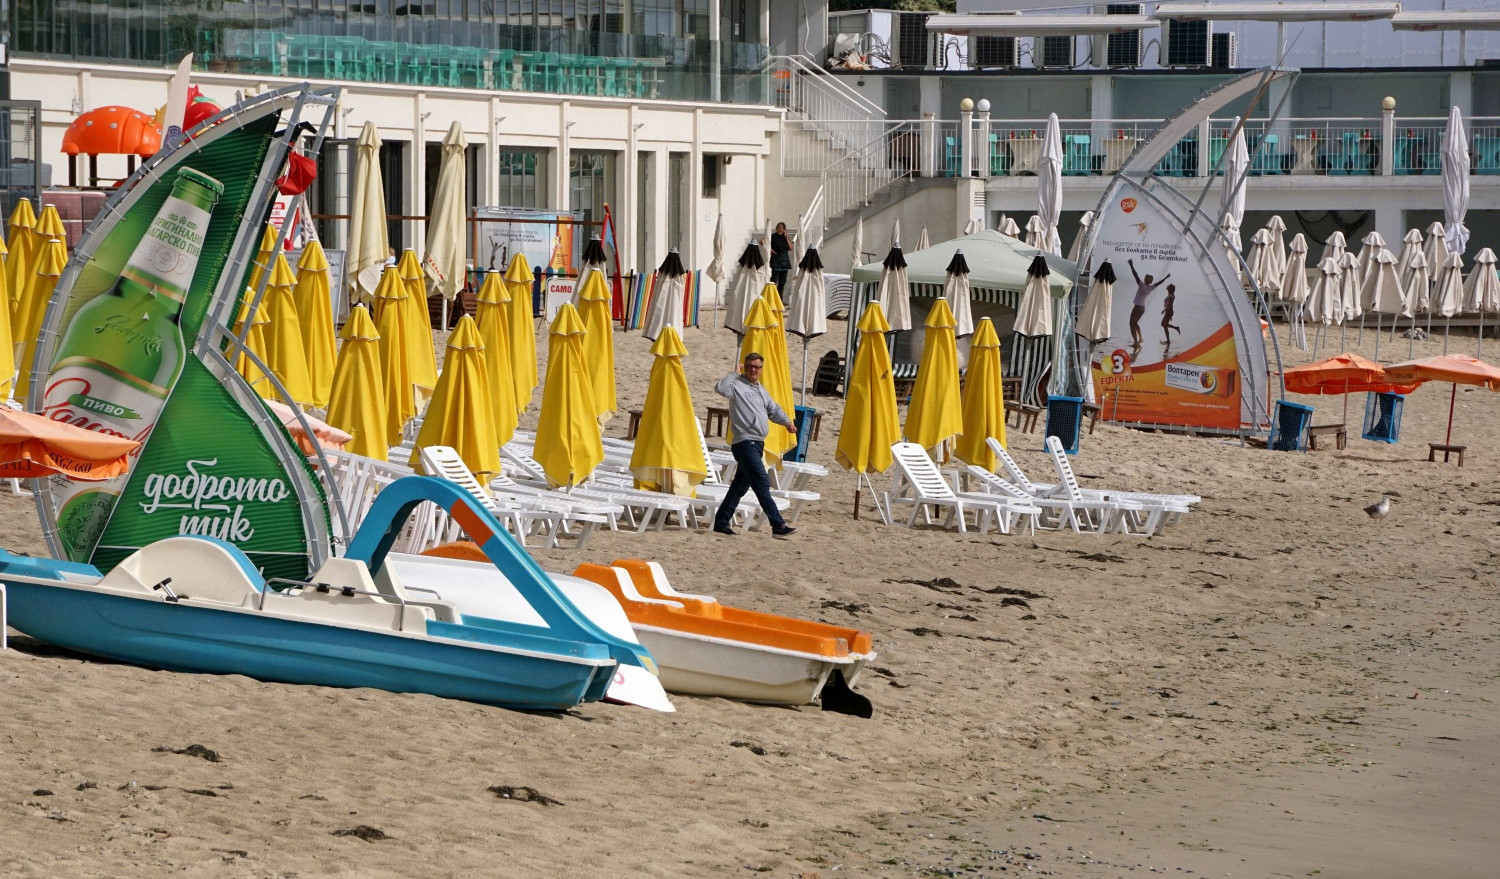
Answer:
[(1380, 510)]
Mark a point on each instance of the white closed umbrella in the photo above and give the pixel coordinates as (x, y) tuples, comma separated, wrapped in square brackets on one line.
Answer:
[(1008, 227), (1482, 292), (1350, 304), (765, 243), (369, 245), (1293, 284), (1416, 296), (975, 224), (446, 261), (923, 242), (1084, 223), (1277, 227), (1034, 315), (1232, 196), (1093, 318), (748, 282), (807, 313), (1255, 257), (1381, 293), (666, 305), (1411, 245), (956, 291), (1323, 302), (1049, 164), (1455, 160), (1370, 248), (1036, 231), (1436, 246), (857, 257), (1448, 292), (896, 233), (715, 270), (894, 292), (1334, 248)]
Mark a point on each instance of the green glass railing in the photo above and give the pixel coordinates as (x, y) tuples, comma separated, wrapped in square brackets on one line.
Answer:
[(398, 50)]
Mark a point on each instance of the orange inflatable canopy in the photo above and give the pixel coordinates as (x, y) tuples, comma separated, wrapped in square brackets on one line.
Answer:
[(112, 131)]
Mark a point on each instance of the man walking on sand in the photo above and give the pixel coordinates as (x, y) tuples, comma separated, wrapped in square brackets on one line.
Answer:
[(750, 411)]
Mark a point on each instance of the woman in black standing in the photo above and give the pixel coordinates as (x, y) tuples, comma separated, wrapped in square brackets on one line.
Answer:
[(781, 257)]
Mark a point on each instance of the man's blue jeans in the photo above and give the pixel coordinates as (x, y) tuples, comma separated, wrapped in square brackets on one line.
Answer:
[(749, 475)]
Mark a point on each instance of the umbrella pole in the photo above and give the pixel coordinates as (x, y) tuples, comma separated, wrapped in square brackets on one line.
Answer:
[(1360, 338), (1346, 403), (804, 371), (856, 500), (1447, 328), (1452, 398), (1377, 334), (1411, 344), (1479, 352), (1344, 336)]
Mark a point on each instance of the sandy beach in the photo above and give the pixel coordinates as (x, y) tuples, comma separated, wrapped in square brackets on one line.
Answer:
[(1279, 686)]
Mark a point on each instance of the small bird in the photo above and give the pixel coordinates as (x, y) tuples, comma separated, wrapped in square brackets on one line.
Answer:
[(1380, 510)]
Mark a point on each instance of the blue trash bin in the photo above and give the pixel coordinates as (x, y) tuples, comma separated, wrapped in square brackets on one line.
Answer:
[(1289, 423), (1383, 417), (1064, 418), (804, 419)]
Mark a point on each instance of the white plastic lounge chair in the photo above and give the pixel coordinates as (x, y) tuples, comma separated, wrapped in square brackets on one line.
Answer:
[(1042, 489), (444, 462), (1053, 512), (1090, 513), (1159, 510), (643, 508), (920, 483)]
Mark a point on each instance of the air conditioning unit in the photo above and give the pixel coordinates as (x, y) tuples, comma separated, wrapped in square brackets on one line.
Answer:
[(1224, 56), (912, 39), (1188, 43), (1127, 49), (995, 52), (1053, 51)]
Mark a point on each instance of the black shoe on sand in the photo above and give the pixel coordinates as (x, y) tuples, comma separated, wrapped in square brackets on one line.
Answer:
[(725, 531), (783, 531)]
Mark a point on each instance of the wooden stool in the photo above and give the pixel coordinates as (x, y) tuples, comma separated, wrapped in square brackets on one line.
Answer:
[(716, 422), (635, 424), (1434, 448), (1026, 416), (1339, 433), (1092, 412)]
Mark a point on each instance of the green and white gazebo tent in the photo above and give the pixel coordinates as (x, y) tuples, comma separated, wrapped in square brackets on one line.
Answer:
[(997, 275)]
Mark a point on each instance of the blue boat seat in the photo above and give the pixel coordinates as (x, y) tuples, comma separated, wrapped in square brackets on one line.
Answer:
[(198, 568)]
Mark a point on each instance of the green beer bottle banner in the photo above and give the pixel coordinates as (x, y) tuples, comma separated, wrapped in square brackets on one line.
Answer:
[(124, 365)]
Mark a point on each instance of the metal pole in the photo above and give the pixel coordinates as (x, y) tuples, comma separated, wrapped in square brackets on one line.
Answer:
[(1452, 398)]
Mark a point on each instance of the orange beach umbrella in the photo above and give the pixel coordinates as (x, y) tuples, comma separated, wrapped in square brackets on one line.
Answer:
[(1345, 373), (1456, 369), (33, 445)]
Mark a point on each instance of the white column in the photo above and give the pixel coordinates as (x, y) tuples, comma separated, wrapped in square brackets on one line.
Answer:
[(1388, 140), (966, 138), (416, 177), (688, 249), (1205, 148), (490, 177), (562, 194), (716, 56), (982, 140), (626, 216), (1101, 110), (927, 144)]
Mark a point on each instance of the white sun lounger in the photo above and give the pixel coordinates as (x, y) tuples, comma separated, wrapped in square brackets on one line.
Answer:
[(920, 483), (1054, 512), (1093, 513), (643, 508), (1160, 510)]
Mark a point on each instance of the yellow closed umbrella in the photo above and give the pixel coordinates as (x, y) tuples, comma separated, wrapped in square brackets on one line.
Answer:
[(522, 329), (395, 364), (286, 351), (762, 334), (780, 361), (568, 443), (935, 415), (22, 249), (7, 339), (356, 402), (263, 255), (461, 413), (49, 226), (315, 315), (255, 343), (668, 454), (418, 324), (599, 343), (984, 400), (490, 314), (50, 261), (871, 425)]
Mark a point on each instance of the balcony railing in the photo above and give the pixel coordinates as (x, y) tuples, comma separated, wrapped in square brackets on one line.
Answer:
[(1324, 147), (368, 49)]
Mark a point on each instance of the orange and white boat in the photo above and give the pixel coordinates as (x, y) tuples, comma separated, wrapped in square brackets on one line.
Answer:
[(705, 648)]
